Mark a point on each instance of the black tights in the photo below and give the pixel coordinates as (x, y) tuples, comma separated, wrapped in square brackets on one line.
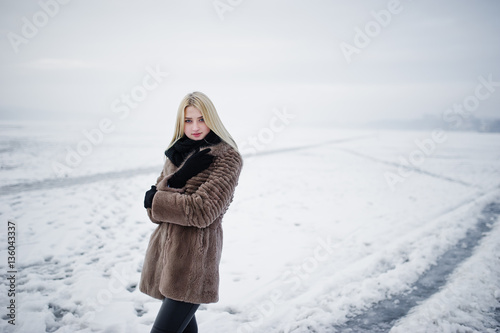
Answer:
[(176, 317)]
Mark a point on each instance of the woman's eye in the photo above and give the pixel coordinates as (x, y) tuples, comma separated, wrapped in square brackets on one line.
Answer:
[(187, 120), (202, 120)]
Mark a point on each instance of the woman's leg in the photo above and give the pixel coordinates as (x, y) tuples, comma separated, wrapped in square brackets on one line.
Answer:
[(192, 327), (174, 317)]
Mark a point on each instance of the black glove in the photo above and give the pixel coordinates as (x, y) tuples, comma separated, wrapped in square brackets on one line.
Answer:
[(148, 198), (195, 164)]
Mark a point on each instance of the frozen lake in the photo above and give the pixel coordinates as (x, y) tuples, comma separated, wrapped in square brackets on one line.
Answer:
[(330, 231)]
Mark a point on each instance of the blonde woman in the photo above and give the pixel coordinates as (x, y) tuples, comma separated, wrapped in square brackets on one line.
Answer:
[(188, 202)]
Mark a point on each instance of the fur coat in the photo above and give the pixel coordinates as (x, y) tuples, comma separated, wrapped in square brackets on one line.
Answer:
[(184, 252)]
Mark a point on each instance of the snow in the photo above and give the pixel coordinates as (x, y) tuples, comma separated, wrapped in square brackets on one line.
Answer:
[(466, 302), (316, 239)]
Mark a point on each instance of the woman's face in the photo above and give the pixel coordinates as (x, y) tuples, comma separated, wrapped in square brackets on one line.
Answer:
[(194, 124)]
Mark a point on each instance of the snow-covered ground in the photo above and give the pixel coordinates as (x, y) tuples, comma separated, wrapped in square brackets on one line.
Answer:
[(329, 231)]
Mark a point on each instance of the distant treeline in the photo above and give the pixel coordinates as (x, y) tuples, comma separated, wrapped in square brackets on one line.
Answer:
[(426, 122)]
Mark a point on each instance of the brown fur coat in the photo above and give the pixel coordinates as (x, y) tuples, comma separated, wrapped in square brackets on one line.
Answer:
[(184, 252)]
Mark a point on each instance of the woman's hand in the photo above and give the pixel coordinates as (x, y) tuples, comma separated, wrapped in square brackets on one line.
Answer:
[(195, 164), (148, 198)]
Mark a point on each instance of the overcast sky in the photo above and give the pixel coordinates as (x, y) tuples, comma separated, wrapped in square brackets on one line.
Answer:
[(249, 56)]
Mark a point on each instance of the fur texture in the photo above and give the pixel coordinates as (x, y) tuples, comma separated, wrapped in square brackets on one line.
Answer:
[(184, 252)]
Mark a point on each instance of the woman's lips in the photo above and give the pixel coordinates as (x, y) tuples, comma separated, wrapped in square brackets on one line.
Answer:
[(196, 134)]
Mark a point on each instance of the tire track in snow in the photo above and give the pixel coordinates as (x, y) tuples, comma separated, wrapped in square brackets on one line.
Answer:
[(383, 315), (306, 147), (409, 168), (52, 183)]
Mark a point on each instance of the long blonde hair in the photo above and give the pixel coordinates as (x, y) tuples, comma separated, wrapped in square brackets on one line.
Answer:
[(200, 101)]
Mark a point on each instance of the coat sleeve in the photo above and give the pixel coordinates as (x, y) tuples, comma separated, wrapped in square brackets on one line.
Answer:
[(161, 183), (210, 200), (150, 215)]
